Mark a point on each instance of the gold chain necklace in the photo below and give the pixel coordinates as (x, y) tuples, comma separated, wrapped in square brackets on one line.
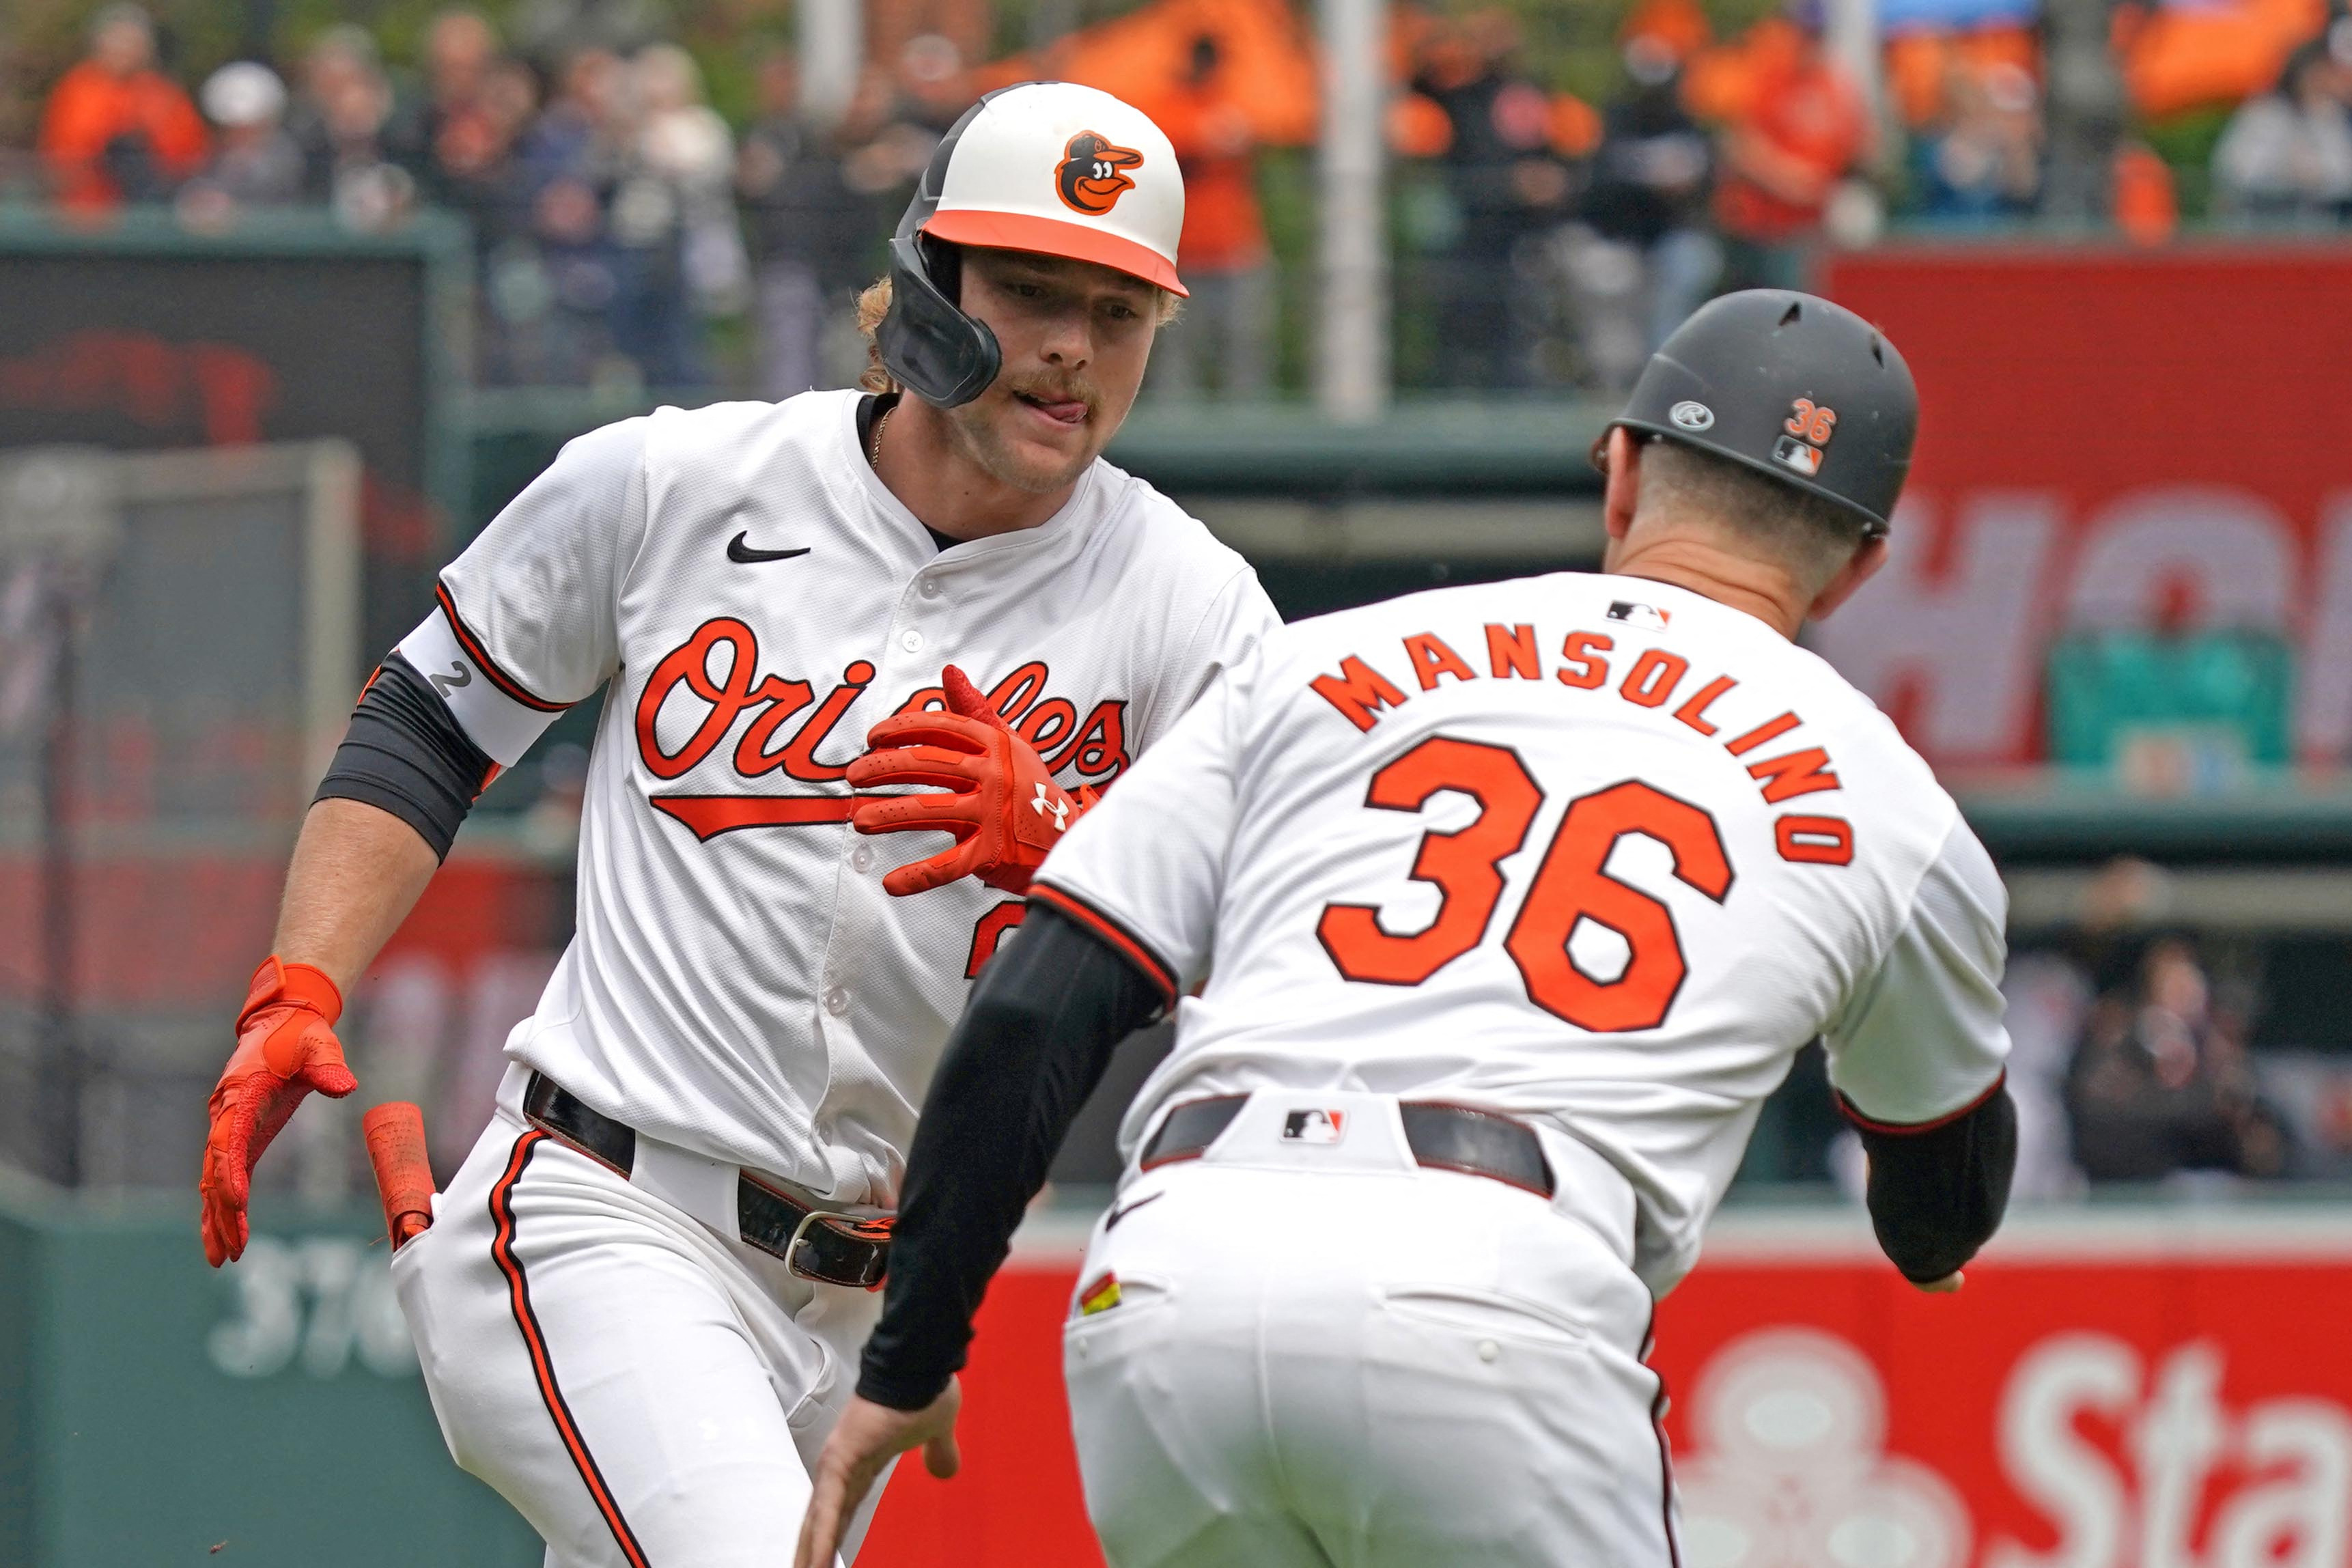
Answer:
[(874, 449)]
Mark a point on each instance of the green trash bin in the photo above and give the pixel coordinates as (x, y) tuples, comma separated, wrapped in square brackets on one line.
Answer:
[(2171, 715)]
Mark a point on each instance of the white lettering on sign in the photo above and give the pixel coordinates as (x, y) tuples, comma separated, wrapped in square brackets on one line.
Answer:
[(1952, 636), (2227, 552), (2139, 1507), (1948, 639), (319, 1300), (2064, 1479), (1794, 1473)]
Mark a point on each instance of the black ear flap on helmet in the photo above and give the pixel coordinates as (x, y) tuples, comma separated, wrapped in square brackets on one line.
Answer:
[(927, 344)]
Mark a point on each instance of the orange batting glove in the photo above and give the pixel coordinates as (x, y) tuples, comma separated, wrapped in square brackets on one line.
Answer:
[(286, 1047), (1005, 809)]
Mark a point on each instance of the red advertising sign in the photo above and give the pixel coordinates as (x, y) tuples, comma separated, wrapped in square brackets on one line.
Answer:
[(2166, 1389), (2107, 438)]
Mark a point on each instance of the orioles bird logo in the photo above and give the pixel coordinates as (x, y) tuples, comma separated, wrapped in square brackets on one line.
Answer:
[(1091, 177)]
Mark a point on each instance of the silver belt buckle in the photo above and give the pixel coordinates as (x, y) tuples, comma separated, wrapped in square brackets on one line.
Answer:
[(815, 1215)]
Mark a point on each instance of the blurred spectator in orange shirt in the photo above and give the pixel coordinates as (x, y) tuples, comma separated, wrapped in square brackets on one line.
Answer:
[(1803, 128), (1228, 323), (115, 128)]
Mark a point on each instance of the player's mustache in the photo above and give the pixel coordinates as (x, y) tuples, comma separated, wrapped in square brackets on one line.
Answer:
[(1057, 389)]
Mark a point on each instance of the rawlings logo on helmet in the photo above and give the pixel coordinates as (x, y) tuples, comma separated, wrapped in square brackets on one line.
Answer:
[(1089, 178)]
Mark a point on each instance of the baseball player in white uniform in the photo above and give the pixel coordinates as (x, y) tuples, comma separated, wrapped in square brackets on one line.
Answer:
[(638, 1303), (1507, 906)]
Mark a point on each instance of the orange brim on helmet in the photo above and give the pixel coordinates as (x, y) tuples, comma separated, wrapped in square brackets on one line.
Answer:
[(1054, 236)]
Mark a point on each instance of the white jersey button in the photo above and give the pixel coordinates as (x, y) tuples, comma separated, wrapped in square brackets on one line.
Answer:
[(862, 858), (911, 641), (836, 1001), (929, 587)]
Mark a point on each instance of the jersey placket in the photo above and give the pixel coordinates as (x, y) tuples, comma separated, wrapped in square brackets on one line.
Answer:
[(908, 662)]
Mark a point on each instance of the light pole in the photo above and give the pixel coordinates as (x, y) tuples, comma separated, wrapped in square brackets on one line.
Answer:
[(1351, 371), (832, 56)]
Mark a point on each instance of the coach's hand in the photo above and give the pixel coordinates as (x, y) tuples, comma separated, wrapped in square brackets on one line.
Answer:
[(286, 1047), (1003, 805), (868, 1438)]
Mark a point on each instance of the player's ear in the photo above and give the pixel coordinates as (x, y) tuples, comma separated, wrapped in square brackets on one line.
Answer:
[(1621, 454), (1860, 568)]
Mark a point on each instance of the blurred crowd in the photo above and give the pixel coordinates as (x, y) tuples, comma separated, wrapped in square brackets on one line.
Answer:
[(615, 216), (623, 227), (2143, 1053)]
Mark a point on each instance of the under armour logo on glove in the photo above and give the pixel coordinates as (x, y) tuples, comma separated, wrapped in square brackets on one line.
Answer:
[(1059, 807), (988, 772)]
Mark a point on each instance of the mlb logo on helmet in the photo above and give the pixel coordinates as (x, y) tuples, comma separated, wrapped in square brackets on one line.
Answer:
[(1314, 1126), (1790, 452), (1808, 429)]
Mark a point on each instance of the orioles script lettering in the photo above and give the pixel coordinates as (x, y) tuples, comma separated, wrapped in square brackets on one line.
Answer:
[(699, 710)]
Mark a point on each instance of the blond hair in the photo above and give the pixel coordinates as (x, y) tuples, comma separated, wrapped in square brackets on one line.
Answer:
[(874, 303)]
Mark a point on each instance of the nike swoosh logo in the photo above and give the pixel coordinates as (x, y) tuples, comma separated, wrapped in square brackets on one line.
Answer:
[(1119, 1214), (742, 554)]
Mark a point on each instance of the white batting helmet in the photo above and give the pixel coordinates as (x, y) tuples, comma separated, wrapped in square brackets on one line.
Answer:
[(1047, 166)]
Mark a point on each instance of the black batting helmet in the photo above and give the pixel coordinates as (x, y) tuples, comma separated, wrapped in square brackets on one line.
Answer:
[(1792, 387)]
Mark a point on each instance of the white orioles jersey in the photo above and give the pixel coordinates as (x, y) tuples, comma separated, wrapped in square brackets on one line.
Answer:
[(738, 983), (1591, 850)]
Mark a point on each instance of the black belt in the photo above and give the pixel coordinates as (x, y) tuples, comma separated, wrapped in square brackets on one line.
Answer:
[(1445, 1137), (833, 1249)]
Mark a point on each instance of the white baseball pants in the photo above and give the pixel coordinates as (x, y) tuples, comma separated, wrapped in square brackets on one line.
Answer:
[(646, 1393), (1325, 1356)]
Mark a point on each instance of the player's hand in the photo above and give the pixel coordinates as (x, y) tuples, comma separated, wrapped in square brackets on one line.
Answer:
[(1944, 1286), (286, 1047), (868, 1438), (1003, 805)]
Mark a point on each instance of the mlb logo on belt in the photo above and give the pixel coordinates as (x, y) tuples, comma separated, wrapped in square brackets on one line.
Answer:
[(1314, 1126)]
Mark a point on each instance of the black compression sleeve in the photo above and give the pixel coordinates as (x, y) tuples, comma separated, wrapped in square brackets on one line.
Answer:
[(1937, 1193), (1033, 1043), (406, 754)]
